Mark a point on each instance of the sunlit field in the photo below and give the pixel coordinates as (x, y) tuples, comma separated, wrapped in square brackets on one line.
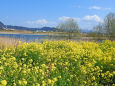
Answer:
[(58, 63)]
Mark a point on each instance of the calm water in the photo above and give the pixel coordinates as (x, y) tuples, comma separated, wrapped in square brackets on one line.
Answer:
[(30, 37), (26, 37)]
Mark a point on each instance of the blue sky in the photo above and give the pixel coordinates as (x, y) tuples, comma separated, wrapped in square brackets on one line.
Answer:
[(38, 13)]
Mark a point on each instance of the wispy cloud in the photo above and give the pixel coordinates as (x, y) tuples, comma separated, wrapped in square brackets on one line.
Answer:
[(78, 6), (64, 18), (89, 21), (98, 8), (93, 18), (95, 8), (108, 8), (41, 22)]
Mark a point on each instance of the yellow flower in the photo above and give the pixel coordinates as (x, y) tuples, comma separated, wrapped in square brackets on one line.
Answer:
[(93, 78), (84, 82), (1, 68), (22, 59), (113, 84), (28, 70), (66, 63), (3, 58), (25, 82), (55, 79), (24, 65), (19, 82), (49, 81), (37, 84), (59, 76), (30, 60), (43, 83), (114, 72), (4, 82), (24, 72), (43, 65), (14, 84)]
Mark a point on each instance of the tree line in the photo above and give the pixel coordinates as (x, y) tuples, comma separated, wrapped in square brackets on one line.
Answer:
[(107, 27)]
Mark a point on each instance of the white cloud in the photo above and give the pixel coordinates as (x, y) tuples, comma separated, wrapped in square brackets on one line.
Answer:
[(99, 8), (95, 8), (76, 6), (64, 18), (108, 8), (41, 21), (93, 18), (86, 18)]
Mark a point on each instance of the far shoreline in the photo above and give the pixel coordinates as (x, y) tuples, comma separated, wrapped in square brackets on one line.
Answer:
[(29, 32), (82, 36)]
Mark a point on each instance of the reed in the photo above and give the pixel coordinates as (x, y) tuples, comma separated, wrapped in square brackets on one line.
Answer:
[(5, 41)]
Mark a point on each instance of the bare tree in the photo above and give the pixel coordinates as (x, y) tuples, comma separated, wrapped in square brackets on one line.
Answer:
[(109, 24), (107, 27), (68, 26), (98, 29)]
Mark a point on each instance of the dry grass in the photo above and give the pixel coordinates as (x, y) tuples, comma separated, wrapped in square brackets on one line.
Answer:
[(15, 32), (5, 41)]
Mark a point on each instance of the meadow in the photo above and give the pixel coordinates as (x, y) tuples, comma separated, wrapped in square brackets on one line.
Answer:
[(58, 63)]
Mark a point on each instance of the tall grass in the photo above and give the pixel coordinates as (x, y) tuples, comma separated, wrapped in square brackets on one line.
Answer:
[(5, 41)]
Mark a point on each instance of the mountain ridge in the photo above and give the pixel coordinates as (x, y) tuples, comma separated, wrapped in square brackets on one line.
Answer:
[(11, 27), (30, 29), (2, 26)]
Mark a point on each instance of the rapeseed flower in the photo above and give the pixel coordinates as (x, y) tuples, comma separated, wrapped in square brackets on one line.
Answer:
[(4, 82)]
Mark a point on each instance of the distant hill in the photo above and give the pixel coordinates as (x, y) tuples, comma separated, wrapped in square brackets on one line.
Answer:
[(30, 29), (2, 26), (11, 27), (85, 31), (47, 28), (20, 28)]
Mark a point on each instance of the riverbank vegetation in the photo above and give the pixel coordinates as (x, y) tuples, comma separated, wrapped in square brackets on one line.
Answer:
[(58, 63), (5, 41)]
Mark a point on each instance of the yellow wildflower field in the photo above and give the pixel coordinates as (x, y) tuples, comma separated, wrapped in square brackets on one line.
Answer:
[(58, 63)]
